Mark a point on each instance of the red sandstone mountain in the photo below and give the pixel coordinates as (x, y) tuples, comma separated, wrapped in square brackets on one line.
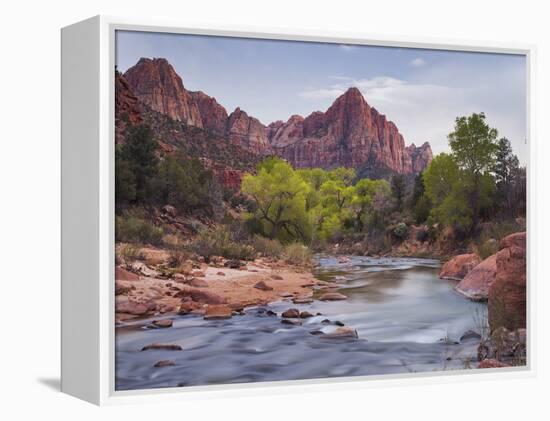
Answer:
[(350, 133), (156, 84)]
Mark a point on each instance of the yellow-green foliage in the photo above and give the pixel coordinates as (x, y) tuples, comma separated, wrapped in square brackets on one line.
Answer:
[(297, 254), (312, 205), (218, 241)]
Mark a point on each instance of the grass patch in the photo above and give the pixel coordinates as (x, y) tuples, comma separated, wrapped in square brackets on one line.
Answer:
[(297, 254), (218, 241)]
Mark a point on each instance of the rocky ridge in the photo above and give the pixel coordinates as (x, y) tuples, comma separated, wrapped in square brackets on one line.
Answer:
[(350, 133)]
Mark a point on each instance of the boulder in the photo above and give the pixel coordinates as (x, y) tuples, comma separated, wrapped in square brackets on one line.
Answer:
[(262, 286), (162, 323), (507, 294), (277, 277), (169, 210), (164, 363), (342, 332), (162, 347), (332, 296), (218, 312), (187, 307), (291, 322), (291, 313), (305, 315), (459, 266), (124, 275), (206, 297), (477, 282), (122, 287), (197, 283), (131, 307)]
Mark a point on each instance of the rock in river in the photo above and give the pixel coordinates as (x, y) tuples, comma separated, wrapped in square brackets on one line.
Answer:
[(332, 296), (459, 266), (218, 312), (162, 323), (477, 282), (291, 313), (161, 346), (164, 363)]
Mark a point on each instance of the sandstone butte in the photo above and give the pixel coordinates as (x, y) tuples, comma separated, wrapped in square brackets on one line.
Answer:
[(350, 133)]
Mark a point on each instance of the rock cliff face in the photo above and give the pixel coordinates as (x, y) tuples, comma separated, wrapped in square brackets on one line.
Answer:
[(213, 115), (156, 84), (350, 133), (247, 132), (127, 108)]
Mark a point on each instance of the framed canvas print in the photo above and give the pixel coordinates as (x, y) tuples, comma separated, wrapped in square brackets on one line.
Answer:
[(266, 209)]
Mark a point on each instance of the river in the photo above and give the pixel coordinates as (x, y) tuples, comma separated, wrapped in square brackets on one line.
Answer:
[(407, 320)]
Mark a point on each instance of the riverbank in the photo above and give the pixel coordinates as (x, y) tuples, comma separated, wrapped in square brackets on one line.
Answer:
[(144, 288)]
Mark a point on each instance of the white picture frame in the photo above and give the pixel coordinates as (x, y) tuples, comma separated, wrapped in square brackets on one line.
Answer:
[(88, 58)]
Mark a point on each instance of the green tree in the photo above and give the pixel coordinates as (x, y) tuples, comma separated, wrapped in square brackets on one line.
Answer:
[(185, 184), (280, 196), (474, 147), (139, 154), (399, 190), (125, 182), (440, 178), (366, 192)]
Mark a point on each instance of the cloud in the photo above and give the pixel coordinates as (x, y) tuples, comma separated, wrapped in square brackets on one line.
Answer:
[(418, 62)]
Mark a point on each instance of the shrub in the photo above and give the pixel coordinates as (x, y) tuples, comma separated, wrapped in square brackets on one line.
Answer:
[(297, 254), (127, 253), (219, 242), (401, 231), (422, 235), (133, 229), (267, 247)]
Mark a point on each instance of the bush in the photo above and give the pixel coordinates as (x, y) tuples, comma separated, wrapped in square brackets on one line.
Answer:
[(127, 253), (267, 247), (401, 231), (219, 242), (130, 228), (297, 254)]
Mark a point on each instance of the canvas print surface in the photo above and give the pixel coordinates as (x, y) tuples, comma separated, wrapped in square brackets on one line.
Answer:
[(297, 210)]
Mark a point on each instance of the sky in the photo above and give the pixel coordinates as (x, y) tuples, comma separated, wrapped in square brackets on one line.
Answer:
[(422, 91)]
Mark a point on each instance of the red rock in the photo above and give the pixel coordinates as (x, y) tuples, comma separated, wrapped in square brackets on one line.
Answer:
[(124, 275), (217, 312), (459, 266), (277, 277), (197, 283), (343, 332), (220, 273), (206, 297), (332, 296), (507, 295), (302, 300), (247, 132), (122, 287), (213, 115), (124, 305), (127, 108), (187, 307), (156, 84), (263, 286), (477, 282), (491, 363)]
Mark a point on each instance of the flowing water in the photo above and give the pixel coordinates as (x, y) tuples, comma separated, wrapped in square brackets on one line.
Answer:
[(406, 318)]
